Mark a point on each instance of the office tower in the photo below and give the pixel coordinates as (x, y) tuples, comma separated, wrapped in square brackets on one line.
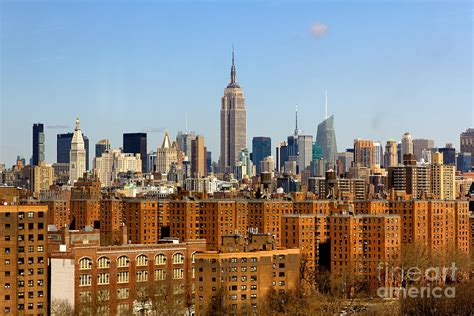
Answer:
[(166, 155), (346, 158), (244, 165), (407, 145), (111, 163), (254, 263), (135, 143), (41, 177), (63, 147), (198, 157), (363, 153), (399, 153), (326, 138), (466, 140), (378, 154), (391, 154), (449, 154), (267, 165), (233, 123), (184, 142), (38, 143), (261, 148), (24, 263), (281, 156), (209, 162), (151, 158), (102, 146), (443, 185), (426, 155), (305, 152), (463, 162), (419, 145), (317, 151), (77, 155)]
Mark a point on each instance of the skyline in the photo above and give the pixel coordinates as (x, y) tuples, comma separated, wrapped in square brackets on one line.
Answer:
[(132, 84)]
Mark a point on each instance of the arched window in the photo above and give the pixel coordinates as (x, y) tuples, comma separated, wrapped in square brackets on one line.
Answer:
[(142, 260), (85, 263), (103, 262), (123, 262), (160, 259), (178, 258), (193, 257)]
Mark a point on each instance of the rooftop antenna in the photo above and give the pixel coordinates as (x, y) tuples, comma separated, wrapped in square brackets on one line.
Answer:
[(326, 103), (296, 117)]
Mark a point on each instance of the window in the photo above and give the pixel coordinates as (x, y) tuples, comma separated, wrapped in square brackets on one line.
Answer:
[(122, 277), (160, 259), (123, 262), (40, 248), (122, 308), (142, 260), (178, 258), (103, 278), (103, 262), (178, 273), (85, 264), (122, 293), (85, 280), (85, 296), (103, 295), (160, 274), (253, 268), (142, 276)]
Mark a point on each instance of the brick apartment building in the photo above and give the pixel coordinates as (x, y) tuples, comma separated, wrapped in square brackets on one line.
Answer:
[(114, 280), (23, 260), (243, 272)]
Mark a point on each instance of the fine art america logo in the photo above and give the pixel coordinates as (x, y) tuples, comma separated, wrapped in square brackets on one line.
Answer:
[(415, 282)]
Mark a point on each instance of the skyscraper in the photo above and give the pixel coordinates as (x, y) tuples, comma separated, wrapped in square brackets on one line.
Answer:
[(305, 152), (184, 142), (407, 145), (233, 123), (466, 140), (38, 143), (135, 143), (326, 138), (101, 146), (166, 155), (261, 148), (391, 154), (449, 154), (77, 155), (419, 145), (378, 153), (198, 154), (281, 156), (363, 153), (63, 146)]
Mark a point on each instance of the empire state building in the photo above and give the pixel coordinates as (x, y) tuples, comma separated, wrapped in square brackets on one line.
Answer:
[(233, 123)]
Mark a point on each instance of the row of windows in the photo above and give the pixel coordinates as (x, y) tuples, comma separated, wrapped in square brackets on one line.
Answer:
[(124, 277), (123, 261)]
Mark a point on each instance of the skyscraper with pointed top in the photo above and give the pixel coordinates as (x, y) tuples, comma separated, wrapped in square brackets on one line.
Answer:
[(233, 122), (77, 155), (326, 138)]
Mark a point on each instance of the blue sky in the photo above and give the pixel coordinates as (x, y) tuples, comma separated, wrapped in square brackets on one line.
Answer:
[(129, 66)]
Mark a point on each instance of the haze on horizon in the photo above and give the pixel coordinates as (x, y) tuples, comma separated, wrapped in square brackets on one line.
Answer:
[(388, 67)]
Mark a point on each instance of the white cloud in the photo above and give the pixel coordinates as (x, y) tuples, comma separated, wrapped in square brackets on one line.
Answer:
[(319, 29)]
